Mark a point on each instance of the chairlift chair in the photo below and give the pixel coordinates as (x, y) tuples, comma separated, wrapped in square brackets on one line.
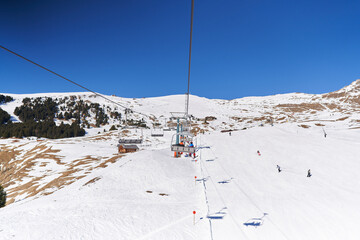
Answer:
[(186, 137), (157, 132), (183, 134), (131, 140)]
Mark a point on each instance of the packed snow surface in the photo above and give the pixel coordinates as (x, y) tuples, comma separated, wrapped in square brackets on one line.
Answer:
[(238, 194)]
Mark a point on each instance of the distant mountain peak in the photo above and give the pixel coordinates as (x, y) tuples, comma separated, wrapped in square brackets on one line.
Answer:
[(354, 86), (350, 91)]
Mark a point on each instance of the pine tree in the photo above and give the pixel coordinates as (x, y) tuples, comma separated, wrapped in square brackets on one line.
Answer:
[(2, 197), (112, 128)]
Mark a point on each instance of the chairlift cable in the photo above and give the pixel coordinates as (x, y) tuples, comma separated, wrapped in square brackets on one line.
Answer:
[(191, 30), (81, 86)]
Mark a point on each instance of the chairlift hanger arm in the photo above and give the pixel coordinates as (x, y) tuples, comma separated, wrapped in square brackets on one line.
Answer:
[(191, 30)]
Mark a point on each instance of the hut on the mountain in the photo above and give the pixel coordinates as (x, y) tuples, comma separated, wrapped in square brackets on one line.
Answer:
[(127, 148)]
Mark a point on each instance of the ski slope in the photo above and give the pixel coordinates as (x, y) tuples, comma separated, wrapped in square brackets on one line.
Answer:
[(323, 206), (151, 195)]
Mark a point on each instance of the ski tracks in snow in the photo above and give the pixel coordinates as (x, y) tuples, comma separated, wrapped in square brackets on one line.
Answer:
[(164, 227), (220, 196)]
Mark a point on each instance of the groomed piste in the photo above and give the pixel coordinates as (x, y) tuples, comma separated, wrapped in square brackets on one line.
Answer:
[(237, 193)]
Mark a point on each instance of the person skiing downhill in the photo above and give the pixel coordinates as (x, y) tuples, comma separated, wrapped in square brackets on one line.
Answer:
[(325, 134), (309, 173), (278, 168), (258, 152)]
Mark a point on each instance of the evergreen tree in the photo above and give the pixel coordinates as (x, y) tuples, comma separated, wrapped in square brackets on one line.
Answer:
[(2, 197), (4, 117), (60, 116), (112, 128), (5, 99)]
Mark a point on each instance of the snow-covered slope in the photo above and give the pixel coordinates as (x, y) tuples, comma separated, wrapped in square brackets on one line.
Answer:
[(151, 195), (81, 188)]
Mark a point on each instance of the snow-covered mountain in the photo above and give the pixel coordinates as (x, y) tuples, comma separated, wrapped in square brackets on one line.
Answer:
[(308, 109), (81, 188)]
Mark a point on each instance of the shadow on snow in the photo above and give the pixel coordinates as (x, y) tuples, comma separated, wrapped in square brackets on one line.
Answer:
[(255, 222)]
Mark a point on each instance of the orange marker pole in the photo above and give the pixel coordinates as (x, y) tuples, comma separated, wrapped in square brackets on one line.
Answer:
[(195, 180), (194, 212)]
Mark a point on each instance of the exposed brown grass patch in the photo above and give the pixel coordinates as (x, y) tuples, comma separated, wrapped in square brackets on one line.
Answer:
[(260, 119), (238, 119), (332, 106), (334, 95), (92, 181), (110, 160), (17, 165), (300, 107), (195, 130), (342, 119)]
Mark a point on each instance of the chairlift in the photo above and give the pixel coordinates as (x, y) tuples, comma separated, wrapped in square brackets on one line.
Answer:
[(131, 139), (181, 140), (157, 132), (184, 140)]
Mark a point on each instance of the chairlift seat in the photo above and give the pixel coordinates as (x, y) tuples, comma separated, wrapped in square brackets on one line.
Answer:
[(157, 133), (130, 141), (182, 148)]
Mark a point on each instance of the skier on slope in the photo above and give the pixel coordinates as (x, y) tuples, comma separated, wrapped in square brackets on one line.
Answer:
[(325, 134), (309, 173), (278, 168), (258, 152)]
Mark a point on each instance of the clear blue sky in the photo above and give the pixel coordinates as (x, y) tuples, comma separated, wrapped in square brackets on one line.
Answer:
[(139, 48)]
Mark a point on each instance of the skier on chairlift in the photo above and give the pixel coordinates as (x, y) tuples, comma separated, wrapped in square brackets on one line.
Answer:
[(181, 144), (191, 145)]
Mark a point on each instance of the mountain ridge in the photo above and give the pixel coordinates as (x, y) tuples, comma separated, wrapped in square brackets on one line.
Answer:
[(245, 112)]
